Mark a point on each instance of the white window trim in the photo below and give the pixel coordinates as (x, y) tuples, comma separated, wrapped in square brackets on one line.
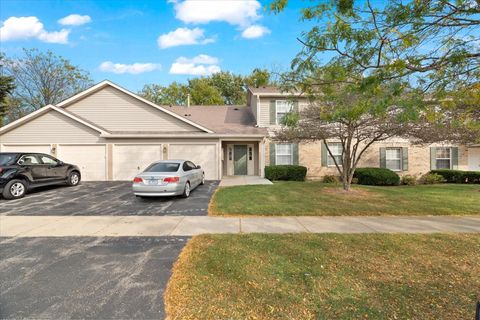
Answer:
[(330, 157), (276, 109), (291, 152), (449, 158), (401, 159)]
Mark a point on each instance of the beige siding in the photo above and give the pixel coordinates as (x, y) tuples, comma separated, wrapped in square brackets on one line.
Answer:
[(117, 111), (263, 106), (51, 127)]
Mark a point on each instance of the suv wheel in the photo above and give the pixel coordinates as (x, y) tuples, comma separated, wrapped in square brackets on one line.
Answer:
[(186, 191), (73, 178), (15, 189)]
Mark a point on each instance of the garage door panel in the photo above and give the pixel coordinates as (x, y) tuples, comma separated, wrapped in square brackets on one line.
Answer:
[(129, 160), (44, 148), (204, 155), (89, 158)]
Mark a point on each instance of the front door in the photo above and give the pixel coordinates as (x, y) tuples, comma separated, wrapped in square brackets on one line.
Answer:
[(240, 160)]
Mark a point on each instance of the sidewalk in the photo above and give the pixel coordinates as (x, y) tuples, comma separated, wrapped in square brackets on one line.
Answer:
[(116, 226)]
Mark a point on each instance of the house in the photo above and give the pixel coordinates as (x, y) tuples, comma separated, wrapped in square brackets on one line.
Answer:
[(112, 134)]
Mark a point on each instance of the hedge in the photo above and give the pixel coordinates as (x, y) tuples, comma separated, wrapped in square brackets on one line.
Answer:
[(286, 172), (458, 176), (377, 177)]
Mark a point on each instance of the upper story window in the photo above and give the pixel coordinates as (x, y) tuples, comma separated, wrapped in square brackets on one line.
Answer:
[(283, 154), (337, 150), (393, 157), (282, 107), (443, 158)]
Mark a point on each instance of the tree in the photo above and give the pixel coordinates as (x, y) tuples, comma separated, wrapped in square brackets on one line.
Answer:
[(6, 87), (174, 94), (203, 93), (259, 78), (433, 44), (231, 87), (44, 78), (353, 114)]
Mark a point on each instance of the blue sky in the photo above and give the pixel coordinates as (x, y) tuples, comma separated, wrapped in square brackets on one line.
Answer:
[(137, 42)]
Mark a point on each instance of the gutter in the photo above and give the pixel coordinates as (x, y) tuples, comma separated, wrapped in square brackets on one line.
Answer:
[(177, 136)]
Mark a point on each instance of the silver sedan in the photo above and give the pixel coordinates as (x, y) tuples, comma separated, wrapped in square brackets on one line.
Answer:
[(168, 178)]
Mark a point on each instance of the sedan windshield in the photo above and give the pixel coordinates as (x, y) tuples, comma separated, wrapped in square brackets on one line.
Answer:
[(7, 159), (163, 167)]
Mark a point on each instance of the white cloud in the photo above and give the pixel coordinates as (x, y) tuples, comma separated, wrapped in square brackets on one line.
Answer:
[(24, 28), (134, 68), (200, 59), (239, 12), (74, 20), (255, 31), (182, 37), (201, 65)]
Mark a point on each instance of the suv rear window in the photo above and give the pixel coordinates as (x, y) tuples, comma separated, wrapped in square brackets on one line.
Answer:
[(163, 167), (7, 159)]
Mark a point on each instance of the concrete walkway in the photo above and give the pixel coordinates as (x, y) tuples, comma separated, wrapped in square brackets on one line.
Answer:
[(116, 226), (229, 181)]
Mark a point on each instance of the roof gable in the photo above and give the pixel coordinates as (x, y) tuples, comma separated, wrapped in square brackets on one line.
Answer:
[(118, 109)]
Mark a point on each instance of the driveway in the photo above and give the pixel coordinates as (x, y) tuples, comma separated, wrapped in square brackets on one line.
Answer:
[(85, 277), (109, 198)]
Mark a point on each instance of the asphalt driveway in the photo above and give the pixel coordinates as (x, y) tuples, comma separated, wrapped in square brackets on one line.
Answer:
[(86, 277), (106, 198)]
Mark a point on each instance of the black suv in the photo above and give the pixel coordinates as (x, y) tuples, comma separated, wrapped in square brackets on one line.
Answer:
[(21, 171)]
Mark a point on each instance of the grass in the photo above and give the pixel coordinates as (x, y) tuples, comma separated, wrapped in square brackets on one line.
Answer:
[(319, 199), (326, 277)]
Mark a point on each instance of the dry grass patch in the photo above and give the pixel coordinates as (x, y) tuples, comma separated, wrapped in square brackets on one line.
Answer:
[(326, 277)]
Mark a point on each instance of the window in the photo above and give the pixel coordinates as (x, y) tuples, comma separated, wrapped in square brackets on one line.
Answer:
[(282, 108), (284, 154), (337, 150), (7, 159), (191, 165), (443, 158), (186, 167), (28, 160), (48, 160), (163, 167), (393, 158)]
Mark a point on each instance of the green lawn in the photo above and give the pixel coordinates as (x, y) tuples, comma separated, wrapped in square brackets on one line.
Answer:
[(319, 199), (326, 277)]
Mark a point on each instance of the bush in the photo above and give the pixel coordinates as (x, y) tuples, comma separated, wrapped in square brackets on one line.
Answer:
[(377, 177), (431, 178), (285, 172), (458, 176), (409, 180), (329, 178)]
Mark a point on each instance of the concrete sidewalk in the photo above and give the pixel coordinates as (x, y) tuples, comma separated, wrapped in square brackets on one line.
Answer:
[(116, 226)]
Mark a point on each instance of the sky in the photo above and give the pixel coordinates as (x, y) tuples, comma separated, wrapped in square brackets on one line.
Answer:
[(133, 43)]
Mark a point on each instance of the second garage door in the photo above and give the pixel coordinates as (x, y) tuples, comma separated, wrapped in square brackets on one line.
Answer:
[(130, 159), (204, 155), (89, 158)]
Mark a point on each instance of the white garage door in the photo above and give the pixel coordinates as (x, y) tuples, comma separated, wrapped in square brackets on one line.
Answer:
[(129, 160), (44, 148), (89, 158), (204, 155)]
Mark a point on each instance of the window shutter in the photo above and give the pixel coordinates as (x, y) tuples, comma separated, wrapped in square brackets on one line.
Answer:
[(273, 112), (454, 158), (433, 160), (405, 159), (272, 154), (383, 157), (295, 153), (324, 154)]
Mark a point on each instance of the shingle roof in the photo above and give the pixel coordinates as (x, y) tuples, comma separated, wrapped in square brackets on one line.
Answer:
[(221, 119)]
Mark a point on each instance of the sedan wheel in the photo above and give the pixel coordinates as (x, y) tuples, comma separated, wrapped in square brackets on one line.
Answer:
[(186, 192), (73, 179), (15, 189)]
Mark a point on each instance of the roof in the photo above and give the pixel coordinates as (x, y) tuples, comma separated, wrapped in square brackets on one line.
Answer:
[(221, 119)]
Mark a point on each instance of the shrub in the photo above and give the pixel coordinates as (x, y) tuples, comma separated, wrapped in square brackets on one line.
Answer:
[(409, 180), (458, 176), (329, 178), (286, 172), (431, 178), (377, 177)]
